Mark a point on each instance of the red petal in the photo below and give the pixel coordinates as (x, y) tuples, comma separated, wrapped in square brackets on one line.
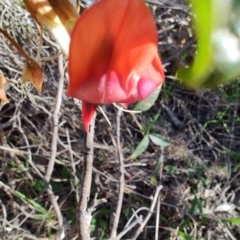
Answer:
[(112, 36), (92, 42), (135, 44), (150, 79), (88, 110), (113, 55)]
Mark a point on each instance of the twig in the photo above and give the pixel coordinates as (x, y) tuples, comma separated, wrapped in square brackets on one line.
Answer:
[(54, 144), (173, 117), (15, 44), (84, 214), (28, 149), (161, 160), (50, 192), (3, 220), (13, 192), (55, 120), (39, 44), (157, 218), (139, 230), (128, 228), (170, 5), (135, 215), (121, 179), (73, 165)]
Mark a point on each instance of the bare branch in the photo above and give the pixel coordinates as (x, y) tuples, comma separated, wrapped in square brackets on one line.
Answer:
[(149, 213), (159, 200), (73, 165), (55, 120), (157, 218), (84, 214), (15, 44), (121, 179), (128, 228), (54, 144)]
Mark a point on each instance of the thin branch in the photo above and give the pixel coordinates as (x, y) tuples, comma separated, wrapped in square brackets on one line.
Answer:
[(15, 44), (73, 165), (121, 179), (50, 192), (135, 215), (3, 220), (157, 218), (139, 230), (84, 214), (29, 151), (128, 228), (161, 160), (55, 120), (170, 5), (54, 144), (39, 44)]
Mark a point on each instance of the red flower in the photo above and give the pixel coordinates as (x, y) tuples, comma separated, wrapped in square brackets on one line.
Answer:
[(113, 55)]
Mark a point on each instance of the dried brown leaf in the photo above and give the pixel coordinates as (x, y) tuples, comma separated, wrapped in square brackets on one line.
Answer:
[(3, 97), (43, 12), (33, 73), (49, 12), (34, 7), (66, 12)]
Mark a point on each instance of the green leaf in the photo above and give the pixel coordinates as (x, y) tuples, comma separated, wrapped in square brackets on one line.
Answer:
[(148, 102), (170, 169), (39, 185), (142, 146), (22, 4), (184, 236), (203, 21), (153, 181), (151, 124), (196, 204), (159, 140), (36, 205), (217, 57), (12, 163), (232, 220), (65, 172)]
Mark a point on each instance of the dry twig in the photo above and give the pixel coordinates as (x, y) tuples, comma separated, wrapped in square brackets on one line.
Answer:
[(54, 144), (139, 230), (84, 214), (121, 179)]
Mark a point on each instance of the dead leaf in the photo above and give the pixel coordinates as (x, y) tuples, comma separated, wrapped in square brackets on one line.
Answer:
[(43, 12), (66, 12), (33, 8), (3, 97), (33, 73)]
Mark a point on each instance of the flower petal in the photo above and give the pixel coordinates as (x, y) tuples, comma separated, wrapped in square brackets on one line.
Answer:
[(135, 44), (113, 55), (88, 110), (150, 79), (103, 42)]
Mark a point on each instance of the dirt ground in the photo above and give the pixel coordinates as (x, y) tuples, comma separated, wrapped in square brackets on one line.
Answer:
[(198, 173)]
